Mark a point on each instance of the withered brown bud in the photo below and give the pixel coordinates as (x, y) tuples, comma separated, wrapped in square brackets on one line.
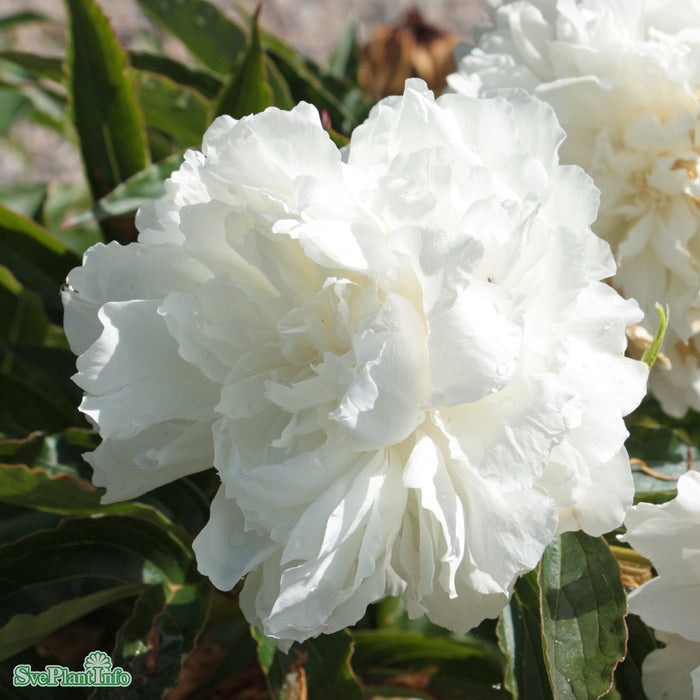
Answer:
[(414, 49)]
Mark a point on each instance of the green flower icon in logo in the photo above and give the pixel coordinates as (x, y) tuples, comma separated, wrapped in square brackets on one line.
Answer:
[(97, 659)]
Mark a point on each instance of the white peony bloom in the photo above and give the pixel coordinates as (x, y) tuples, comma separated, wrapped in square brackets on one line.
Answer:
[(400, 359), (623, 78), (669, 535)]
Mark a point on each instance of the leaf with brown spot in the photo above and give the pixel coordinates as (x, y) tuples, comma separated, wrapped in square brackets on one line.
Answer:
[(294, 687)]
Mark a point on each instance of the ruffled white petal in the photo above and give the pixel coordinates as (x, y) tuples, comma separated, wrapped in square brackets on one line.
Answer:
[(622, 79), (669, 535), (401, 361), (672, 673)]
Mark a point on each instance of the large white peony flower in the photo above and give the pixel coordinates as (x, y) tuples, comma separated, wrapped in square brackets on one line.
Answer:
[(623, 78), (669, 535), (401, 360)]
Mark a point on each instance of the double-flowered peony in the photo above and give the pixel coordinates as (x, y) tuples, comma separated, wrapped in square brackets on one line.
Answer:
[(669, 535), (623, 77), (399, 358)]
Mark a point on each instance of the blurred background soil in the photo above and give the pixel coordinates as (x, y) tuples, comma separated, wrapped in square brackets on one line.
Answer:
[(30, 153)]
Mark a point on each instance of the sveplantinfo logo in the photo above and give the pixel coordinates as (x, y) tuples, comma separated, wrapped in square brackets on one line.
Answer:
[(98, 672)]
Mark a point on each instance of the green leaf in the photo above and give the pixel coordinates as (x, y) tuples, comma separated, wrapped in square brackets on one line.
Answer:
[(30, 398), (13, 105), (47, 103), (63, 201), (343, 62), (65, 494), (182, 502), (25, 199), (323, 663), (583, 615), (281, 94), (55, 488), (36, 258), (103, 105), (650, 414), (16, 522), (210, 36), (247, 90), (18, 18), (162, 629), (234, 661), (40, 66), (628, 675), (520, 639), (57, 454), (445, 667), (84, 557), (22, 316), (659, 455), (341, 98), (649, 355), (35, 390), (127, 197), (23, 631), (206, 84), (48, 106), (177, 111)]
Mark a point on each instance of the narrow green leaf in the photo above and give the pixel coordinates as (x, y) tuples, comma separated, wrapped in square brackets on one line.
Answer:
[(29, 399), (341, 98), (37, 393), (281, 94), (25, 199), (16, 522), (161, 146), (103, 105), (57, 454), (210, 35), (583, 615), (41, 66), (649, 355), (650, 414), (37, 259), (13, 105), (205, 83), (23, 631), (48, 106), (18, 18), (66, 199), (160, 632), (343, 62), (87, 556), (247, 90), (228, 632), (659, 455), (628, 675), (182, 502), (324, 663), (22, 316), (445, 667), (177, 111), (66, 494), (127, 197), (520, 639), (35, 488)]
